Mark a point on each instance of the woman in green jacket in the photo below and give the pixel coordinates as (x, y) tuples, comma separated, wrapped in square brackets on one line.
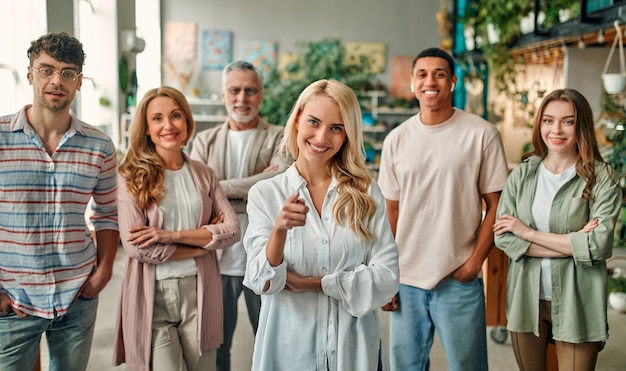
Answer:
[(556, 220)]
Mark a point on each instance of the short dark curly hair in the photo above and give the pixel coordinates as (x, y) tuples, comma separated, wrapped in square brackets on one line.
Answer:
[(61, 46)]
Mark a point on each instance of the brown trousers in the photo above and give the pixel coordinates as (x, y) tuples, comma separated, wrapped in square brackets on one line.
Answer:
[(531, 351)]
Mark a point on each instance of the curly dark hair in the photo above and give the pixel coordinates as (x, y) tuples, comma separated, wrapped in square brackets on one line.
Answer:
[(61, 46)]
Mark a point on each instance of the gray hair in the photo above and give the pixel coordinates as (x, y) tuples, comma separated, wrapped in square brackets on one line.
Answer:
[(241, 66)]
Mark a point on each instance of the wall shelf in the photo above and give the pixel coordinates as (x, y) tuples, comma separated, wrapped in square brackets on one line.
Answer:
[(207, 112), (386, 118), (581, 32)]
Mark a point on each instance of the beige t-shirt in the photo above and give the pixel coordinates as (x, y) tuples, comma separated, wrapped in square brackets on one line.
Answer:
[(438, 174)]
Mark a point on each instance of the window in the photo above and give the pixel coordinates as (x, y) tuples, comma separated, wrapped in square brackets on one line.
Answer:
[(22, 22), (94, 18)]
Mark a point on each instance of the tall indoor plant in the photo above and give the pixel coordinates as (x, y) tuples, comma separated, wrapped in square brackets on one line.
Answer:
[(313, 61)]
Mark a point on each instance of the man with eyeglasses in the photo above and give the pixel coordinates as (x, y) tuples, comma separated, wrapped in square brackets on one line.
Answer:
[(241, 151), (52, 166)]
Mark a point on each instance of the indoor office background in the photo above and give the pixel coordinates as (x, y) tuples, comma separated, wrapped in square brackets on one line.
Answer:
[(404, 26)]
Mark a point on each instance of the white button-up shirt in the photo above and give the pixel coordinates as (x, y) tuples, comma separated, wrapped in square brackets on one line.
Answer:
[(337, 329)]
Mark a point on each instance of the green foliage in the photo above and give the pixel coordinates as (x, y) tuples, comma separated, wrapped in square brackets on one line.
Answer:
[(617, 156), (104, 101), (617, 284), (314, 60), (505, 16), (612, 103), (551, 10)]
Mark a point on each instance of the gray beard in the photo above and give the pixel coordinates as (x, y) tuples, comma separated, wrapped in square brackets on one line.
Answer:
[(242, 119)]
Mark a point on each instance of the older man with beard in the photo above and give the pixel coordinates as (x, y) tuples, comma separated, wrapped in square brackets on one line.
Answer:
[(241, 151)]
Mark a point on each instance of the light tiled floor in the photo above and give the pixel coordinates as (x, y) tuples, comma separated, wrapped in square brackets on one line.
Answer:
[(612, 358)]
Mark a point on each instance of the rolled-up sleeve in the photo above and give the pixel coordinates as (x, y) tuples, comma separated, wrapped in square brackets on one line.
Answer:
[(597, 245), (104, 206)]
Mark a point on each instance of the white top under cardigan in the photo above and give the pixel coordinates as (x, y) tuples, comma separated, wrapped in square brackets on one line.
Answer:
[(337, 329)]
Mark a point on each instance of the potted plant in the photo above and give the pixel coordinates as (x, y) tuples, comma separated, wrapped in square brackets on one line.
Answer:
[(314, 60), (505, 18), (617, 287), (489, 17)]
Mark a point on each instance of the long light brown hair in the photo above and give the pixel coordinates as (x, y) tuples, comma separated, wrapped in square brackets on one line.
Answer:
[(142, 168), (586, 141), (354, 206)]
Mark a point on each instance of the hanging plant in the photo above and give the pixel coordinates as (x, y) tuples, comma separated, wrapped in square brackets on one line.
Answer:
[(502, 18)]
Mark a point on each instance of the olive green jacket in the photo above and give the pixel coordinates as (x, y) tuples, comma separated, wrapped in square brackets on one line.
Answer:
[(579, 292)]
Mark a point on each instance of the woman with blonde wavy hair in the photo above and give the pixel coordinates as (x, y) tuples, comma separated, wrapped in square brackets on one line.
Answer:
[(173, 215), (320, 249)]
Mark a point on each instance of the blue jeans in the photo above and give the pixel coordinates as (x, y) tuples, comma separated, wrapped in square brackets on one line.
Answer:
[(455, 310), (69, 338), (232, 287)]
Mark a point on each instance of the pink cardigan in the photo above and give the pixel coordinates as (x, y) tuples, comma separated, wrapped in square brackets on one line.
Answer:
[(134, 319)]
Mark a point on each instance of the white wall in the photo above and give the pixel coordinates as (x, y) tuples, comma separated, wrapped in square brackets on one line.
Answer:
[(584, 72), (405, 26)]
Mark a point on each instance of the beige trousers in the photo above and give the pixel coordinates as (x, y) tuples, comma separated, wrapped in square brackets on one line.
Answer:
[(175, 328), (531, 351)]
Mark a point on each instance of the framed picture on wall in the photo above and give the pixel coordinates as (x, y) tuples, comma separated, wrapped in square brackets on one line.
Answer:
[(262, 54), (217, 49), (179, 50), (375, 53), (400, 77)]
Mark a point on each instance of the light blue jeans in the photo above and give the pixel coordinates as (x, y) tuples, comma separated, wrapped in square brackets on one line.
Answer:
[(455, 310), (69, 338)]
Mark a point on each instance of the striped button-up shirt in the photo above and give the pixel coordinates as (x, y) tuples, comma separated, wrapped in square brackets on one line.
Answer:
[(46, 249)]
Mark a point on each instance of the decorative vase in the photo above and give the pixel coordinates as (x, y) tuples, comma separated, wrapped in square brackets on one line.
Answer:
[(469, 38), (527, 24), (565, 15), (493, 34), (617, 301)]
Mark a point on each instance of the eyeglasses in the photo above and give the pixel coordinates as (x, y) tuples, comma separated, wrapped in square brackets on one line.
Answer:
[(48, 73), (249, 92)]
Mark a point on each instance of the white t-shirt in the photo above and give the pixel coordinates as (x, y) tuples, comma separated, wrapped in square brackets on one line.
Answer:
[(233, 259), (181, 211), (548, 184), (438, 174)]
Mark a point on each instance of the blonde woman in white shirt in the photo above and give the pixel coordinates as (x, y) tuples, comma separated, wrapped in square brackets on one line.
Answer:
[(320, 248)]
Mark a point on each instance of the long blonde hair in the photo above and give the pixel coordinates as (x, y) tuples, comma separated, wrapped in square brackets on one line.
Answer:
[(141, 167), (354, 206)]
